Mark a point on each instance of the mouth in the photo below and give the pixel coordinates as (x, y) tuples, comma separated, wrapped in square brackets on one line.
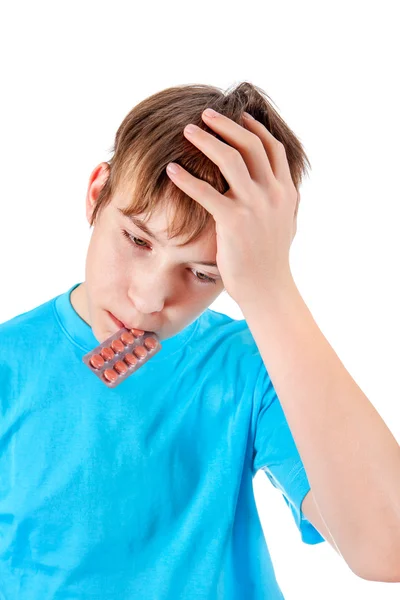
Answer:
[(120, 324), (117, 322)]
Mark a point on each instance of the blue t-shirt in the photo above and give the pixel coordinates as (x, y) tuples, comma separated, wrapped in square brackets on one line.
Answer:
[(143, 491)]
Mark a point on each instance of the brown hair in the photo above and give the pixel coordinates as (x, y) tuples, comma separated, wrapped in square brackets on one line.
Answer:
[(151, 136)]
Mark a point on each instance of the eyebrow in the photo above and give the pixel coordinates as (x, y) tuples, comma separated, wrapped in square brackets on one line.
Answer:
[(143, 227)]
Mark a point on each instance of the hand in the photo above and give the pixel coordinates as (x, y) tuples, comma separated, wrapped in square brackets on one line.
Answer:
[(256, 218)]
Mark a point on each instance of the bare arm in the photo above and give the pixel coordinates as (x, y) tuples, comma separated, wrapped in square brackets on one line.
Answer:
[(350, 456)]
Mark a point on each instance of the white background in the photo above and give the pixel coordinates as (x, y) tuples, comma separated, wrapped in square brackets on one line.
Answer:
[(71, 72)]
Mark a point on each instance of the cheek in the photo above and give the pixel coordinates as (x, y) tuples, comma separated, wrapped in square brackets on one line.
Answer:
[(107, 264)]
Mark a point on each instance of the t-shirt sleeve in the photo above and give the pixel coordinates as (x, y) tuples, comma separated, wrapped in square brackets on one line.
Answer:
[(275, 452)]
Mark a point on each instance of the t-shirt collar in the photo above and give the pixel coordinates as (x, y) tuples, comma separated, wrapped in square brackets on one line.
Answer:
[(82, 335)]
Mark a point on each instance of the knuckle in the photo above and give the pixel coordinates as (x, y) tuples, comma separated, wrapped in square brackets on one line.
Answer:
[(281, 148), (237, 219), (257, 144), (204, 186), (255, 140), (233, 155), (242, 215), (279, 192)]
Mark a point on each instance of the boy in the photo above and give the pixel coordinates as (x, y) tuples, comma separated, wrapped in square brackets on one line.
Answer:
[(145, 490)]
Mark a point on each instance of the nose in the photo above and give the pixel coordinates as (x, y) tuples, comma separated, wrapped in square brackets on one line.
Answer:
[(146, 306), (147, 294)]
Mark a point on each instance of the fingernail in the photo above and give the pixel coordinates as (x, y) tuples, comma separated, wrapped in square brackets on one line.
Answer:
[(173, 168), (248, 116), (191, 128), (209, 112)]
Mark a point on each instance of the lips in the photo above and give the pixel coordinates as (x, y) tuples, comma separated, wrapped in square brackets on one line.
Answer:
[(117, 321), (120, 324)]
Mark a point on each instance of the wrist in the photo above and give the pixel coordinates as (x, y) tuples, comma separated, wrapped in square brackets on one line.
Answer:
[(269, 294)]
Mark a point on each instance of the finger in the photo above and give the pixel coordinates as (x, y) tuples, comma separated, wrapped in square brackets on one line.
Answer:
[(227, 158), (247, 143), (205, 194), (274, 148)]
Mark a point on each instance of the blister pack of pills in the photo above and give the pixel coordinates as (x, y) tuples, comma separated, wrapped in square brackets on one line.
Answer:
[(121, 355)]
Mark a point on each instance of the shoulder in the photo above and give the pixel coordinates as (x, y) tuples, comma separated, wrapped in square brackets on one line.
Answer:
[(226, 348), (22, 340), (24, 328), (227, 331)]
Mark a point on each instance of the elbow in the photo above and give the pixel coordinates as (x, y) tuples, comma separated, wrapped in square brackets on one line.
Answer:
[(382, 574), (382, 566)]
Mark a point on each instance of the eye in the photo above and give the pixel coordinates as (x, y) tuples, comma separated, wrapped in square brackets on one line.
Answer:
[(204, 279), (132, 239)]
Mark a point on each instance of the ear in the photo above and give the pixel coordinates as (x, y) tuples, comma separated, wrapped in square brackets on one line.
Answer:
[(97, 180)]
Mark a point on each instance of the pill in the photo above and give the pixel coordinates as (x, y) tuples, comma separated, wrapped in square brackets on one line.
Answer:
[(107, 353), (121, 355), (97, 361), (130, 359), (137, 332), (150, 343), (110, 375), (127, 338), (120, 366), (140, 351), (117, 346)]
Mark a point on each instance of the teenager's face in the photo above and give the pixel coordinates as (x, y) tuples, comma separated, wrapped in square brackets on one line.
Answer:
[(145, 283)]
